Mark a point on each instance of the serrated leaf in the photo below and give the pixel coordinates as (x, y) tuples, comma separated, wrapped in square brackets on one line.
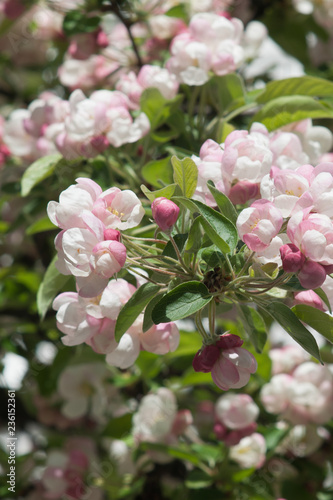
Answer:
[(222, 201), (218, 228), (53, 282), (284, 110), (133, 308), (318, 320), (255, 327), (301, 86), (290, 322), (185, 174), (183, 301), (38, 171), (158, 170)]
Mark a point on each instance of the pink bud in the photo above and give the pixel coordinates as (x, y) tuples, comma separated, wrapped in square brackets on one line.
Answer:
[(309, 298), (220, 431), (229, 341), (165, 213), (312, 275), (243, 191), (102, 39), (111, 234), (292, 258), (182, 421), (205, 359)]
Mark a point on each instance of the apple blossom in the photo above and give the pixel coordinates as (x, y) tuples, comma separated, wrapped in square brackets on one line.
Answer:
[(229, 364), (259, 224), (250, 451)]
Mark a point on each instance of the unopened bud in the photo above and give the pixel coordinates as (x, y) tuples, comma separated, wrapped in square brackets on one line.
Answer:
[(111, 234), (165, 213), (292, 258), (312, 275)]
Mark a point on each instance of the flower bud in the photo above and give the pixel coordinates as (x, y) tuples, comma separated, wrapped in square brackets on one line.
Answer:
[(292, 258), (111, 234), (312, 275), (165, 213)]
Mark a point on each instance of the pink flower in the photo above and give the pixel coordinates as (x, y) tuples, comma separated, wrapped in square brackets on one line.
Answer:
[(313, 234), (117, 209), (165, 213), (85, 254), (229, 364), (312, 275), (259, 224), (247, 156)]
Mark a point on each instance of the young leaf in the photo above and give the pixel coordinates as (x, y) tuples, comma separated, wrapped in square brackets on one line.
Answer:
[(53, 282), (38, 171), (289, 321), (284, 110), (165, 192), (181, 302), (133, 308), (303, 85), (40, 225), (223, 202), (255, 326), (315, 318), (158, 170), (185, 174)]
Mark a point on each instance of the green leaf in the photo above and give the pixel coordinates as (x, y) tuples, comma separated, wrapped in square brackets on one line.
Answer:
[(315, 318), (194, 237), (38, 171), (40, 225), (198, 479), (76, 22), (180, 240), (119, 427), (181, 452), (133, 308), (222, 201), (227, 92), (147, 319), (185, 174), (157, 108), (53, 282), (255, 326), (304, 85), (284, 110), (158, 172), (166, 192), (212, 256), (181, 302), (218, 228), (289, 321)]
